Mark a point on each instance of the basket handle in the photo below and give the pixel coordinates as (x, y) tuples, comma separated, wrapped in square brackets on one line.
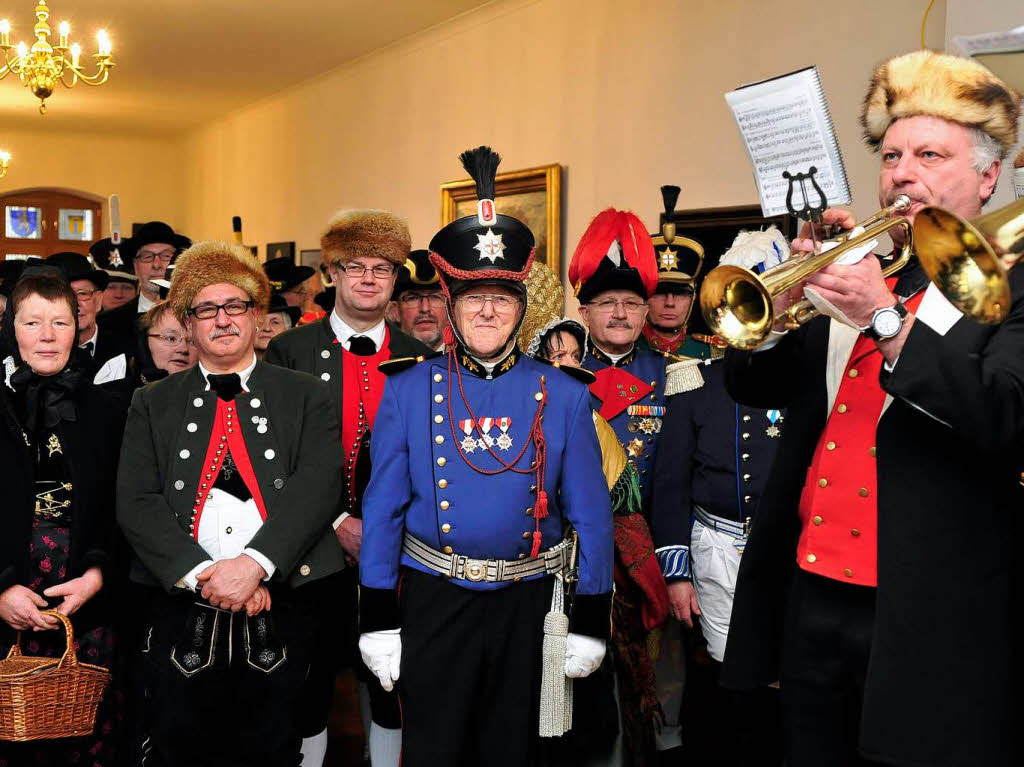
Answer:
[(70, 658)]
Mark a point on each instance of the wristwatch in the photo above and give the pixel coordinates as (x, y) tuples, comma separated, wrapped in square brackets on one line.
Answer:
[(887, 322)]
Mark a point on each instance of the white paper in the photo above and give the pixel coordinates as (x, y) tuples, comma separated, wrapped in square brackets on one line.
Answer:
[(786, 126)]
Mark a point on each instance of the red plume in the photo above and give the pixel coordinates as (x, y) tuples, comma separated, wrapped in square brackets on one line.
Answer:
[(609, 226)]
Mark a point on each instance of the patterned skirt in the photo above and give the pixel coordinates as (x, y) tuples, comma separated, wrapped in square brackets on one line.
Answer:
[(49, 560)]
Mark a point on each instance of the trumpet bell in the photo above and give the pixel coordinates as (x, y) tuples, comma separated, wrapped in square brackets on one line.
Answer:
[(968, 260), (737, 306)]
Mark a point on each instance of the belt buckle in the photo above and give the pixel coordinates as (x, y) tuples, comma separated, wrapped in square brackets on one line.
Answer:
[(475, 569)]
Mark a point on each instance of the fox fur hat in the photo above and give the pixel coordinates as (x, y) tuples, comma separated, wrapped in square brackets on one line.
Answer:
[(359, 233), (209, 263), (951, 87)]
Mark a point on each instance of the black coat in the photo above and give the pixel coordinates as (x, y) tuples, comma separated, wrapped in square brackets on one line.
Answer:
[(943, 680), (91, 443)]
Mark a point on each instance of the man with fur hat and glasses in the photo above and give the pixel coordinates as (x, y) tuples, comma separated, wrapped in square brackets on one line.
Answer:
[(229, 478), (862, 588), (363, 250), (480, 457)]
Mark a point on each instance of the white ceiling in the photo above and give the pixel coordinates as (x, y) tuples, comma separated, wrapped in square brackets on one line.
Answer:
[(181, 63)]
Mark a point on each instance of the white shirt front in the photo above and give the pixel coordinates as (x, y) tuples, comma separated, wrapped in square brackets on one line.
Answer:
[(343, 332), (145, 304)]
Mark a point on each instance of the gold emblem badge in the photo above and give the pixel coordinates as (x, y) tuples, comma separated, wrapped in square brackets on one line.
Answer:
[(635, 448), (54, 446)]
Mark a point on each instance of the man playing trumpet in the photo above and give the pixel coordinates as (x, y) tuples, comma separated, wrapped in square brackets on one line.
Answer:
[(863, 588)]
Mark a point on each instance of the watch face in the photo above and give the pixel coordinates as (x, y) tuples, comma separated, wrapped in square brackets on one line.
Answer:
[(887, 323)]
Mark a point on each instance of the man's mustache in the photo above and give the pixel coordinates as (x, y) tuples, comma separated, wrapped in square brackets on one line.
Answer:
[(620, 324), (218, 332)]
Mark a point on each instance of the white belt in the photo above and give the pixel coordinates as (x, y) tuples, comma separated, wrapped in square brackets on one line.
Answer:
[(557, 559)]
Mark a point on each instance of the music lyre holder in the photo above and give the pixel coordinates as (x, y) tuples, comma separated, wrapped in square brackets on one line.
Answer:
[(809, 212)]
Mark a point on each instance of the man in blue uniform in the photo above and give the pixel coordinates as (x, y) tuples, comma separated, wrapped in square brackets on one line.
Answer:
[(479, 459), (613, 272)]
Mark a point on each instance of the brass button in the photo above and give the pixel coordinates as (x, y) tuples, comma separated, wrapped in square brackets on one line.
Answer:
[(817, 520), (745, 435), (446, 528), (538, 396), (745, 456), (853, 373), (439, 439), (822, 482), (848, 572), (746, 477), (438, 398), (746, 498), (437, 378), (841, 409), (863, 492), (442, 461), (746, 418), (872, 451), (855, 532), (529, 510), (811, 558), (438, 419), (444, 505), (304, 570), (442, 483), (830, 445), (527, 534), (522, 556), (447, 549)]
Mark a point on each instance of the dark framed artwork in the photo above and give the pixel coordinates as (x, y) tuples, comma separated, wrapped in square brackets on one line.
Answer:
[(715, 229), (281, 250), (534, 196)]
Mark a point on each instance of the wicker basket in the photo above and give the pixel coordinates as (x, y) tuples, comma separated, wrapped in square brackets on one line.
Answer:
[(49, 697)]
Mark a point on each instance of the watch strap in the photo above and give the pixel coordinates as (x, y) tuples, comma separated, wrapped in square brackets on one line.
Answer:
[(900, 309)]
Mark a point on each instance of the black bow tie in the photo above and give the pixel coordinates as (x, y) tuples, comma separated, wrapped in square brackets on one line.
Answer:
[(226, 386), (362, 346)]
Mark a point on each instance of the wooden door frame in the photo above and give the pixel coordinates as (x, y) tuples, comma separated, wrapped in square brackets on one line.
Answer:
[(50, 200)]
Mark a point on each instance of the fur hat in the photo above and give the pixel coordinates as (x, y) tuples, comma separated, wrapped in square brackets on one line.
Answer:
[(957, 89), (208, 263), (354, 233)]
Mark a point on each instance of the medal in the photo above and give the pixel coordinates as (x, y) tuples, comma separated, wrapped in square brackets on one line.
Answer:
[(54, 446), (468, 442), (486, 440), (635, 448), (773, 430), (504, 441)]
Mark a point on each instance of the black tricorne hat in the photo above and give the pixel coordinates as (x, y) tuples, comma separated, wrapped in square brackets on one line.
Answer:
[(416, 273), (679, 258), (284, 274), (149, 233), (75, 266)]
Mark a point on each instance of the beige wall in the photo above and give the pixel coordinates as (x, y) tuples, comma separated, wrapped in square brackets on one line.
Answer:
[(144, 172), (627, 96)]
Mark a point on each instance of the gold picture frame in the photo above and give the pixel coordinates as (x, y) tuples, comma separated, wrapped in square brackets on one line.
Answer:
[(534, 196)]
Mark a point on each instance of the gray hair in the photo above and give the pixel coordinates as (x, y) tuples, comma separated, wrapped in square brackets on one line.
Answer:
[(985, 150)]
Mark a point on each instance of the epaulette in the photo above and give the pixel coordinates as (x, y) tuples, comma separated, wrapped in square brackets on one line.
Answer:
[(398, 364), (580, 374), (683, 375)]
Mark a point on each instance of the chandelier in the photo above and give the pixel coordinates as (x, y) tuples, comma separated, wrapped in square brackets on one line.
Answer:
[(5, 160), (42, 66)]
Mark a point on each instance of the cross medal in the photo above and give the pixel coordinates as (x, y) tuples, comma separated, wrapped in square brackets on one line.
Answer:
[(773, 430)]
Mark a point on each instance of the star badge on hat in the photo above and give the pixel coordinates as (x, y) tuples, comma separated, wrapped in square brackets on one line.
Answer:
[(490, 246)]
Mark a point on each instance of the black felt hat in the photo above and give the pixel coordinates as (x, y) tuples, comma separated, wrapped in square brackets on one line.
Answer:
[(75, 266), (149, 233), (679, 258), (11, 270), (279, 304), (284, 274), (486, 245), (416, 273)]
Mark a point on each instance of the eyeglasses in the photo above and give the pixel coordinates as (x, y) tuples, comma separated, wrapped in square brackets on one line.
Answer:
[(232, 308), (408, 299), (501, 303), (147, 258), (608, 306), (355, 271), (85, 295), (171, 339)]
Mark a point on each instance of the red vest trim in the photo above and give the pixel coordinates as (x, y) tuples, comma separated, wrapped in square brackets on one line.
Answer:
[(361, 389)]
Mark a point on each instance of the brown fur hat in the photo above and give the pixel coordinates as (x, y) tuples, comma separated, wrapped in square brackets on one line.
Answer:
[(354, 233), (208, 263), (957, 89)]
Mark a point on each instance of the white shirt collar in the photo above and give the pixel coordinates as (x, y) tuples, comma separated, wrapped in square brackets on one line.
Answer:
[(344, 333), (144, 303), (613, 357), (243, 375), (95, 332)]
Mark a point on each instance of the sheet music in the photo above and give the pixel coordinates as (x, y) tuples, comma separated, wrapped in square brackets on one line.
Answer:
[(786, 126)]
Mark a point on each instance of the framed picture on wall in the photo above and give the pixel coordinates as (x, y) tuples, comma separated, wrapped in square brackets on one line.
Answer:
[(310, 258), (281, 250), (715, 229), (534, 196)]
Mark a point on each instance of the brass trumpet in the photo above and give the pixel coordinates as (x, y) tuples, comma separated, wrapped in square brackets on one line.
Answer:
[(969, 260), (739, 305)]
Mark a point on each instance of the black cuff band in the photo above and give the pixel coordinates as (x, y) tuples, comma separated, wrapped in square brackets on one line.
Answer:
[(592, 615), (378, 609)]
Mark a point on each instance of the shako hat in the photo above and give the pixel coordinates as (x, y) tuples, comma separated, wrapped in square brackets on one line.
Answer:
[(679, 258), (615, 253)]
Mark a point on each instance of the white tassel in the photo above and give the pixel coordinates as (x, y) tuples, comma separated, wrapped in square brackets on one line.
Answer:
[(555, 686), (683, 376)]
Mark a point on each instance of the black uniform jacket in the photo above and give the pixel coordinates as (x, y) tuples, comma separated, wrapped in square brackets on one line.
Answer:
[(91, 445), (296, 459), (943, 678)]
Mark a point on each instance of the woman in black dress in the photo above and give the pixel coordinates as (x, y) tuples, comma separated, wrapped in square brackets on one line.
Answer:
[(59, 445)]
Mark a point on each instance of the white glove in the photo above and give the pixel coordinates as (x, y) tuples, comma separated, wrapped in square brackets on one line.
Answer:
[(382, 654), (583, 655)]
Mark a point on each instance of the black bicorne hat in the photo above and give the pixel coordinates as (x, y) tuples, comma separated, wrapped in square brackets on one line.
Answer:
[(486, 246), (284, 274), (679, 258), (416, 273)]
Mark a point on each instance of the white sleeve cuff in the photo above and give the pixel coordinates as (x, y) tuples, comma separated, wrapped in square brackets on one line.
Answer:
[(337, 523), (188, 581), (262, 561), (889, 368), (774, 337)]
